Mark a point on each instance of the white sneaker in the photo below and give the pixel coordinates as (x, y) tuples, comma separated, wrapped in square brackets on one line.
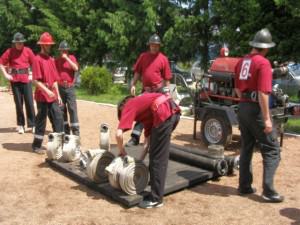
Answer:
[(21, 130), (32, 129), (146, 204)]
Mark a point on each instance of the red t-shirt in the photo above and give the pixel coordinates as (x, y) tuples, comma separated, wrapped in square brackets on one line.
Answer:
[(65, 71), (253, 73), (18, 59), (44, 70), (153, 68), (140, 109)]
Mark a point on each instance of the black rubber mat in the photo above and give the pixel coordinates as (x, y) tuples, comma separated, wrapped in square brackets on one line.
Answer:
[(179, 176)]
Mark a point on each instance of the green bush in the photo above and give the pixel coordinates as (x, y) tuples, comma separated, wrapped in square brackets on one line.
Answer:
[(96, 80)]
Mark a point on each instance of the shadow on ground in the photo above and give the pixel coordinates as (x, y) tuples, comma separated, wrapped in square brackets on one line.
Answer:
[(8, 130), (291, 213), (223, 191), (25, 147)]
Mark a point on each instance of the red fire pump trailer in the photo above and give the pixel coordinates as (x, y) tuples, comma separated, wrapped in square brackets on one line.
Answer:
[(216, 103)]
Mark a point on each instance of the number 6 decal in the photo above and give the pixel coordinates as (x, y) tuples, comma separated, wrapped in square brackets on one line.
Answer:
[(244, 74)]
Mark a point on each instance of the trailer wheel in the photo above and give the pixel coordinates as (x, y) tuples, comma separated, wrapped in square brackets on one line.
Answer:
[(215, 129)]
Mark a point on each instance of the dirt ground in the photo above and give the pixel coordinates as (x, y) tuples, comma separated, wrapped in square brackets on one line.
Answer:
[(32, 193)]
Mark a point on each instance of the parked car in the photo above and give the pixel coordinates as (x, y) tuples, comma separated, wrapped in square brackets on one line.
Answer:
[(119, 75), (290, 84)]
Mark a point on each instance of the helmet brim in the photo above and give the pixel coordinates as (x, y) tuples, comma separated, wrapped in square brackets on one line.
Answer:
[(261, 45), (155, 43), (20, 41), (45, 43)]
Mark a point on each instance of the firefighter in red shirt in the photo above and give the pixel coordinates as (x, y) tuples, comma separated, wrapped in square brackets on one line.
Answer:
[(153, 69), (45, 77), (159, 115), (253, 82), (19, 59), (66, 66)]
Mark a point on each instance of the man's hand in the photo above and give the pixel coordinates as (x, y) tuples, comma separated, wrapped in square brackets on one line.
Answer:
[(122, 153), (8, 76), (119, 139), (30, 77), (268, 126), (59, 100), (132, 90), (50, 94), (64, 56)]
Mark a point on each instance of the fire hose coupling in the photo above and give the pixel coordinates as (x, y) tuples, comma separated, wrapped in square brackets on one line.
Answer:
[(98, 160), (128, 174), (54, 146), (71, 148), (104, 137), (222, 167)]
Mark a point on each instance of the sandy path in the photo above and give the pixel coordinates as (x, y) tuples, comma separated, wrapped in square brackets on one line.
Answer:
[(32, 193)]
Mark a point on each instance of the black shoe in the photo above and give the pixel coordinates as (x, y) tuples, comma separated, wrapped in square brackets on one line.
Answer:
[(246, 191), (273, 198), (38, 150), (148, 204), (132, 142)]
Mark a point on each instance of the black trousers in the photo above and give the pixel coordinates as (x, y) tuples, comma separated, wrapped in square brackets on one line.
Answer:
[(252, 125), (55, 113), (159, 156), (23, 93), (70, 106)]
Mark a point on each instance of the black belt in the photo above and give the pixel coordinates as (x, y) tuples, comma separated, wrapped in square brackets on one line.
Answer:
[(19, 71), (250, 95)]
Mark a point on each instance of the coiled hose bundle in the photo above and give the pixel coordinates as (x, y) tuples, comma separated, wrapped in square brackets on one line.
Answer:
[(128, 174), (71, 148), (54, 146), (98, 160)]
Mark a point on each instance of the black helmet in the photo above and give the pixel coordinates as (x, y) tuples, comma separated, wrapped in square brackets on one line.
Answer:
[(18, 37), (262, 39), (154, 39), (63, 45)]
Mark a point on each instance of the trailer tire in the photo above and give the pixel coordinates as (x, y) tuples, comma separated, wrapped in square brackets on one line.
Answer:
[(216, 129)]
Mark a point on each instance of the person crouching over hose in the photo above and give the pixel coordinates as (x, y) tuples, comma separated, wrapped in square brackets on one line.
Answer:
[(159, 115), (45, 77), (66, 66)]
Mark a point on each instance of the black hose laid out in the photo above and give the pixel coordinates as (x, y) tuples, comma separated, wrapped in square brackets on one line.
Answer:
[(219, 166)]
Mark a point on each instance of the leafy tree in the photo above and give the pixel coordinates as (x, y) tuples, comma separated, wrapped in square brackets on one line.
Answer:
[(10, 23)]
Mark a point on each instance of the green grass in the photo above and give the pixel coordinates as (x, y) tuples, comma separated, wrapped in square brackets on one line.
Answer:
[(3, 80), (113, 97), (293, 125)]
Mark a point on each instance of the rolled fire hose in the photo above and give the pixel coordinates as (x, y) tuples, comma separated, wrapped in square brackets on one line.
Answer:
[(219, 166), (54, 146), (71, 148), (104, 137), (113, 174), (96, 166), (87, 156), (233, 163), (128, 174)]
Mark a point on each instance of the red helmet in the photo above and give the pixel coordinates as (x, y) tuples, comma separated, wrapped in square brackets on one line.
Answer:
[(224, 52), (46, 39)]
